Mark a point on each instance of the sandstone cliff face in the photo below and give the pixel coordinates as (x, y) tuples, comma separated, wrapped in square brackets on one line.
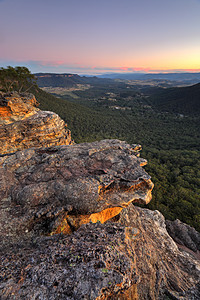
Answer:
[(23, 126), (69, 229)]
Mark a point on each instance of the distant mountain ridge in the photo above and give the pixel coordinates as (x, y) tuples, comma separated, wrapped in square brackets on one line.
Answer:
[(66, 80), (58, 80), (187, 77)]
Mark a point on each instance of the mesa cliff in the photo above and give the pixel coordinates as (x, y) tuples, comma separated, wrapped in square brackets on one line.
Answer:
[(68, 225)]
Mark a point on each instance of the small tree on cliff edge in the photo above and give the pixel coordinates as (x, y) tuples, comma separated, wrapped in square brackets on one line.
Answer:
[(17, 79)]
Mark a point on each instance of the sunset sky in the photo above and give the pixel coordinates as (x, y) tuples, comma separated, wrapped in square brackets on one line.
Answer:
[(100, 36)]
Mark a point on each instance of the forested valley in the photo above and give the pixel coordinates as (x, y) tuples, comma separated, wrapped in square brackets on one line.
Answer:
[(170, 140)]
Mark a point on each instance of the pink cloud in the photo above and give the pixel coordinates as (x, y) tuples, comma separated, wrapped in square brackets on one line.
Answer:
[(192, 70)]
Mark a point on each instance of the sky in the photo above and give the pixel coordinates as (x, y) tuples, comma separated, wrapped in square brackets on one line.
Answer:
[(100, 36)]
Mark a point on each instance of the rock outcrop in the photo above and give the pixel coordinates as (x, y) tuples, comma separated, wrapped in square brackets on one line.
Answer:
[(24, 126), (53, 190), (130, 257), (184, 235)]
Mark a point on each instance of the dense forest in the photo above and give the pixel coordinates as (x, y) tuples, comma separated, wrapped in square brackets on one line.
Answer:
[(170, 142)]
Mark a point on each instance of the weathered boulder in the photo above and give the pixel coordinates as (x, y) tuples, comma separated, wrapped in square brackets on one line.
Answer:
[(53, 190), (130, 257), (23, 126)]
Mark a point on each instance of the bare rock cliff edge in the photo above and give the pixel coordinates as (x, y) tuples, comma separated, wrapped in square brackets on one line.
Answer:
[(68, 226)]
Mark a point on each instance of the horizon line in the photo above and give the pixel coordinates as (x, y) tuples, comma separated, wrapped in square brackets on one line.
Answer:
[(77, 68)]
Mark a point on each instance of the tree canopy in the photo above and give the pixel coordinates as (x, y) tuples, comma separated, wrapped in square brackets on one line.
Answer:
[(170, 143), (17, 79)]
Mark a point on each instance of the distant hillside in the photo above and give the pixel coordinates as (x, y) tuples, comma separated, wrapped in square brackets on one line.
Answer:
[(67, 80), (184, 100)]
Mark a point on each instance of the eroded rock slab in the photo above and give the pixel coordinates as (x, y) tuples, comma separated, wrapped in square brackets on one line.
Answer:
[(129, 258), (23, 125), (57, 189)]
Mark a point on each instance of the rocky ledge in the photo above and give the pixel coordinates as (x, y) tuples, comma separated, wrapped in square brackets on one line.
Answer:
[(69, 229), (54, 190), (23, 125)]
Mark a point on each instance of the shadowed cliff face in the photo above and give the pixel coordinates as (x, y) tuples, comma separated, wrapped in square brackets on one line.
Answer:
[(53, 190), (185, 236), (23, 126)]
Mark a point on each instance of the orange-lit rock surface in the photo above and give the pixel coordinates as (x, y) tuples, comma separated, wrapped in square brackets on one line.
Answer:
[(23, 125), (69, 185), (16, 107), (69, 223)]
